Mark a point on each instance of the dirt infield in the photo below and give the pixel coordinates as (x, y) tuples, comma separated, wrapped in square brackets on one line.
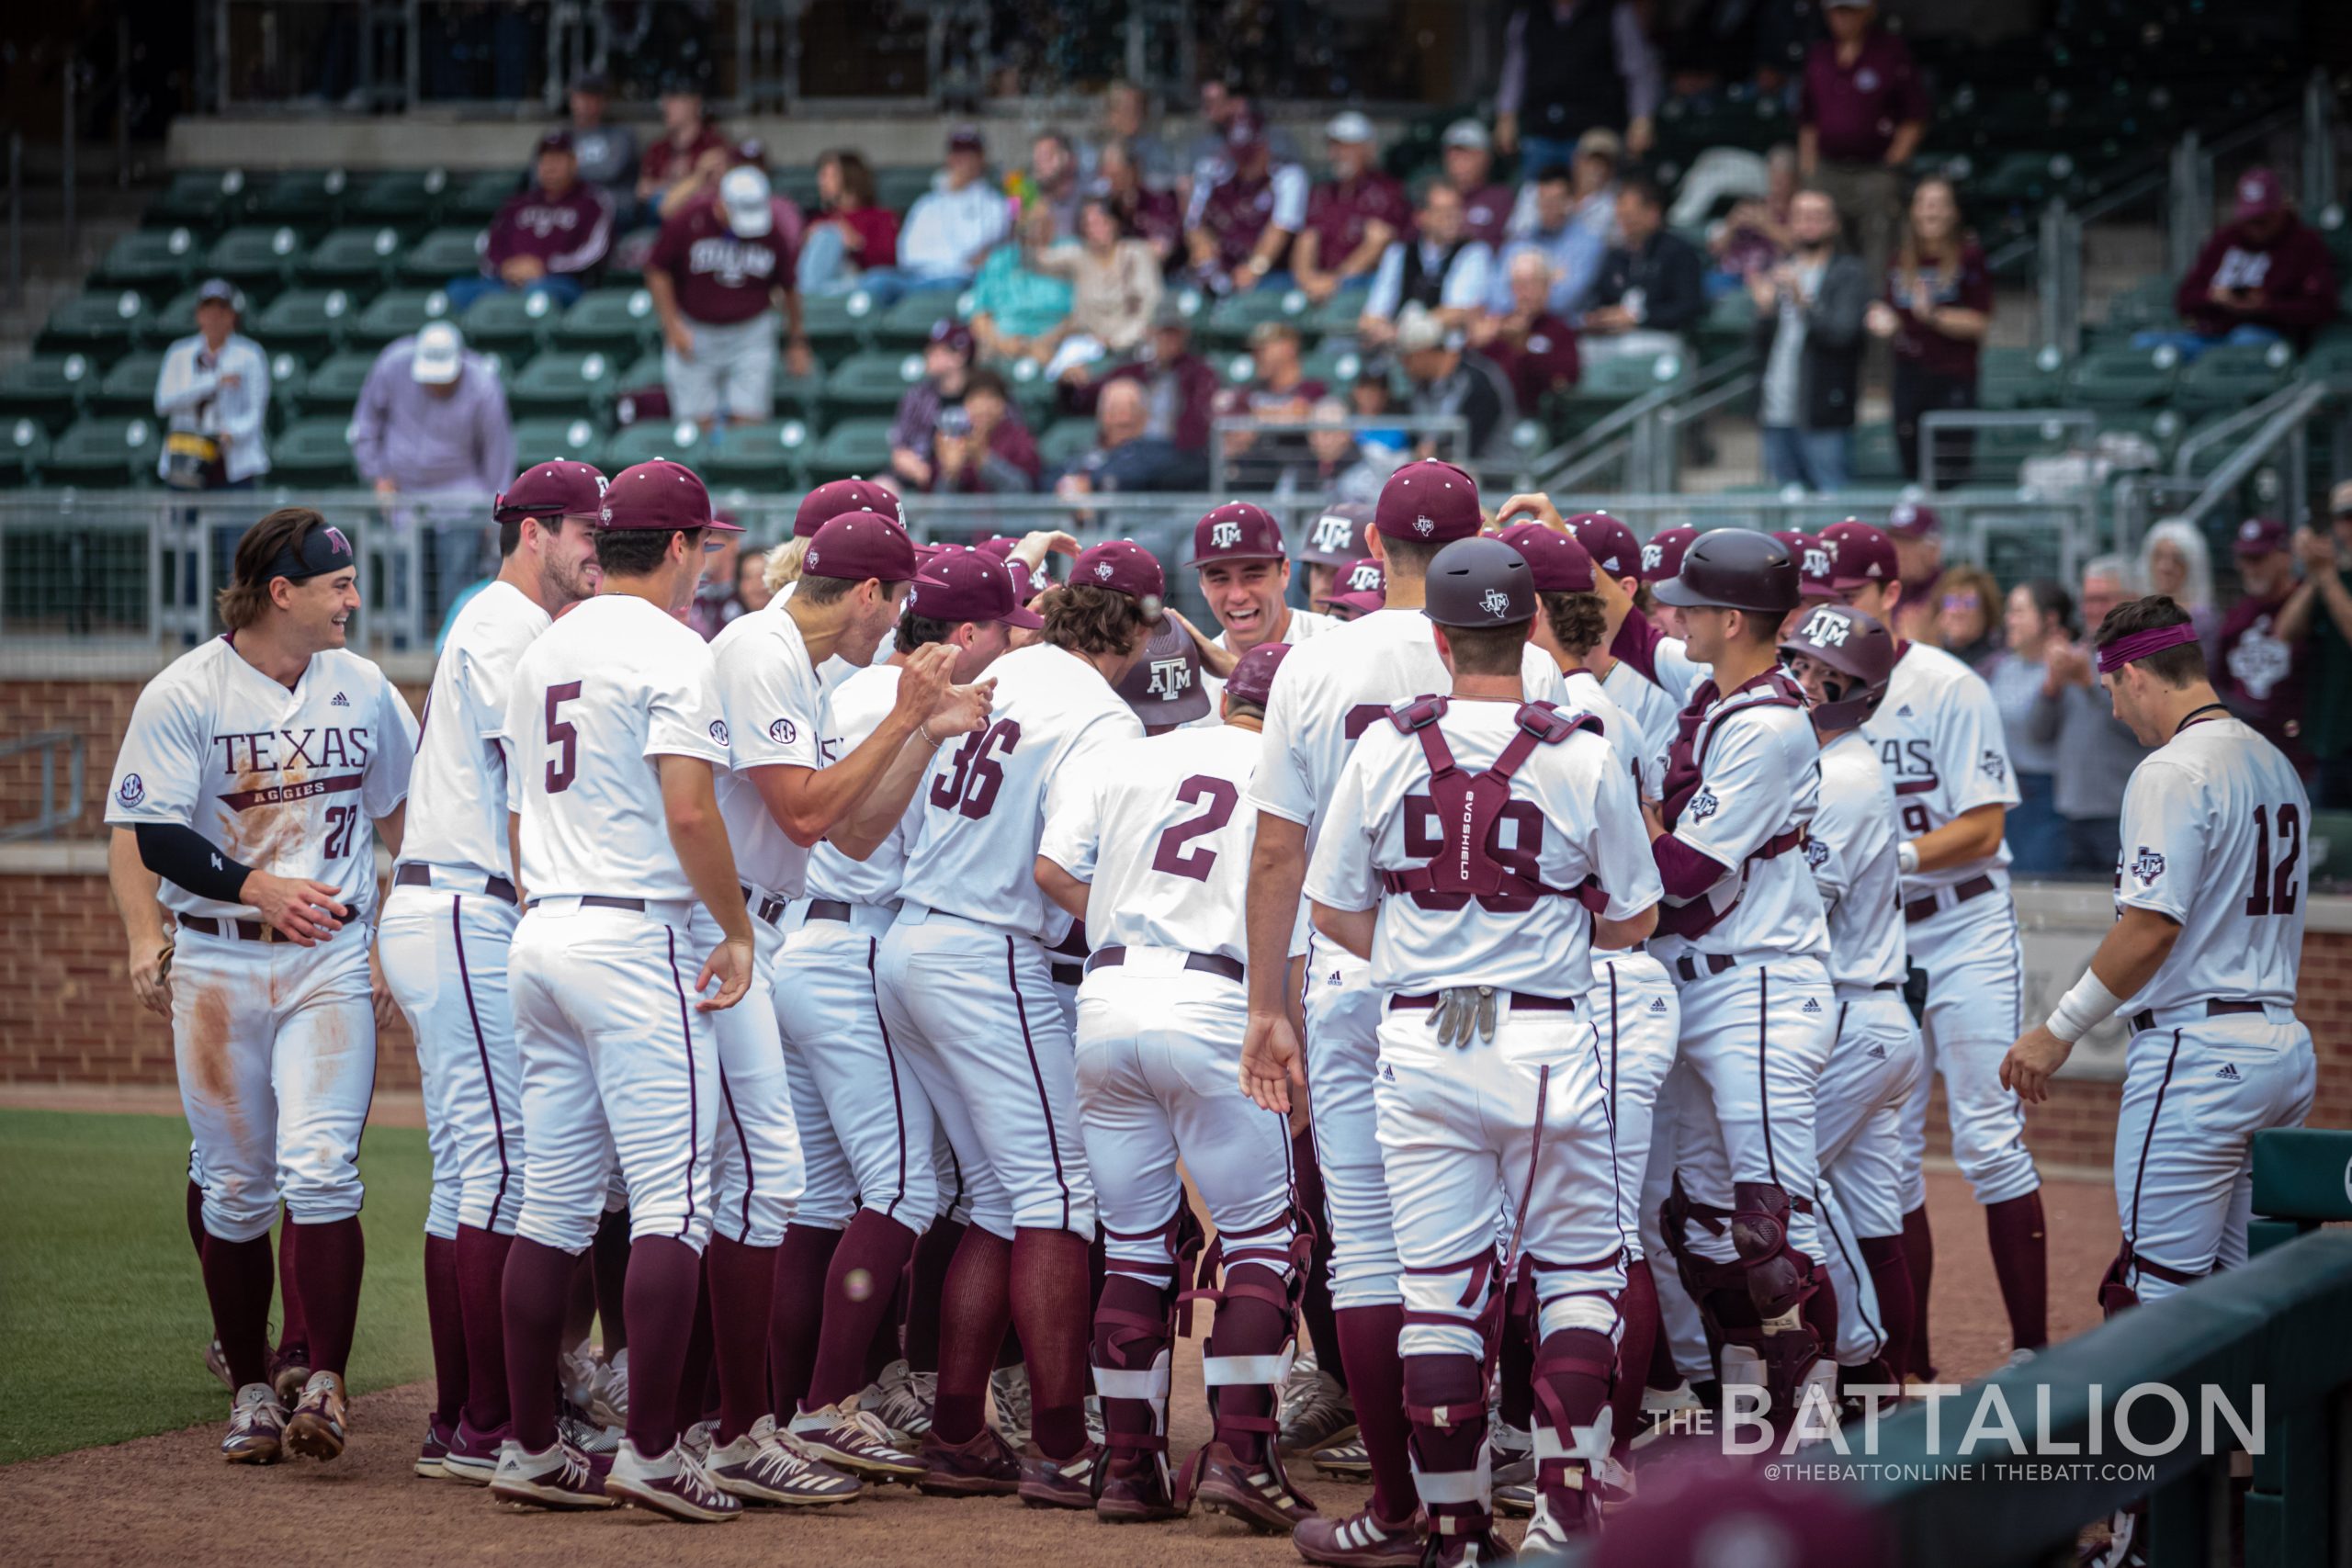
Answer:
[(171, 1499)]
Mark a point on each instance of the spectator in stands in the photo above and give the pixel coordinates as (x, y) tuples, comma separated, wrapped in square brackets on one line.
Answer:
[(751, 581), (852, 233), (546, 239), (2175, 562), (1017, 309), (1570, 251), (1126, 124), (1221, 108), (1753, 236), (2034, 622), (981, 446), (1570, 66), (946, 369), (2255, 670), (1809, 338), (688, 146), (1144, 212), (1278, 388), (1350, 217), (952, 228), (2096, 751), (1052, 181), (1598, 163), (1245, 209), (1126, 456), (718, 273), (1469, 161), (1649, 291), (212, 394), (716, 599), (1968, 624), (2318, 617), (1442, 268), (1919, 538), (1938, 308), (1343, 467), (607, 153), (1114, 291), (1530, 342), (2265, 278), (432, 424), (1862, 111), (1450, 377)]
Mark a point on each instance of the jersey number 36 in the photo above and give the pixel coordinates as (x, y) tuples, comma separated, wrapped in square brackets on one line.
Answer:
[(974, 774)]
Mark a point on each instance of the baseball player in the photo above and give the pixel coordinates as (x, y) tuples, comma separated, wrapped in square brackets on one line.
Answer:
[(614, 729), (1614, 550), (1662, 560), (259, 770), (1359, 589), (1743, 933), (1462, 888), (1146, 842), (867, 1132), (1332, 690), (1940, 738), (1340, 536), (443, 936), (1245, 577), (968, 996), (1843, 659)]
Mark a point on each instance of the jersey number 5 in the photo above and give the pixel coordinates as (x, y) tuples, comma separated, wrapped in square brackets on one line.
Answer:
[(974, 774), (1170, 855), (2274, 886), (564, 766)]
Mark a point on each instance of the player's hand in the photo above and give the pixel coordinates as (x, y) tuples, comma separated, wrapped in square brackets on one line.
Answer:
[(381, 990), (304, 912), (2026, 1069), (151, 979), (1218, 661), (1531, 506), (924, 679), (1039, 542), (1271, 1061), (963, 710), (730, 963)]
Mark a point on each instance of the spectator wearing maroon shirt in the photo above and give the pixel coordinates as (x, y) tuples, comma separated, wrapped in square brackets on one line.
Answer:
[(1245, 209), (1279, 390), (1144, 212), (1179, 386), (2267, 277), (980, 446), (545, 239), (1936, 309), (1534, 348), (1470, 168), (717, 272), (2258, 673), (690, 155), (851, 230), (1862, 111), (1350, 217)]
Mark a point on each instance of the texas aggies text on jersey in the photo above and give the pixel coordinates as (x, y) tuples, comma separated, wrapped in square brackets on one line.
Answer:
[(1939, 737)]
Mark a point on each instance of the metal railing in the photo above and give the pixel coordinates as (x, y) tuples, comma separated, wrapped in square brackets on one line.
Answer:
[(1255, 461), (2275, 459), (54, 813)]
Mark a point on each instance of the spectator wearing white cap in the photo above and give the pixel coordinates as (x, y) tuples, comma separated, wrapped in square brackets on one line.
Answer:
[(1449, 378), (1443, 268), (1470, 168), (719, 274), (213, 394), (432, 424), (1352, 218)]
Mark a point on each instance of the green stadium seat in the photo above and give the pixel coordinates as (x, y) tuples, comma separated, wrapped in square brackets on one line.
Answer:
[(798, 185), (1336, 317), (2024, 179), (513, 324), (547, 439), (613, 321), (1608, 384), (908, 323), (308, 200), (651, 438), (1728, 327), (307, 321), (1234, 366), (360, 259), (24, 448), (103, 454), (443, 254), (476, 198), (314, 451), (102, 326), (771, 455), (2234, 375), (158, 263), (1064, 442), (833, 322), (1875, 460), (854, 447), (2147, 303), (405, 198), (1335, 362), (2330, 358), (48, 389), (898, 187), (254, 254), (804, 394), (2019, 378), (200, 198), (2121, 377), (289, 382), (1232, 319), (874, 379), (643, 371), (395, 313), (336, 385), (562, 382), (128, 389)]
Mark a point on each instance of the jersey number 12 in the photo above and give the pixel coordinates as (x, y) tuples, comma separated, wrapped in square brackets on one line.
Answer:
[(2274, 886)]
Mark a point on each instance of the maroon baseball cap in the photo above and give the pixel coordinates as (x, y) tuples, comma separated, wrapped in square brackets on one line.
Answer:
[(1163, 687), (1910, 520), (834, 497), (1340, 534), (1363, 587), (1662, 557), (1812, 558), (1557, 563), (1253, 677), (2259, 537), (954, 334), (552, 489), (554, 141), (1859, 555), (1245, 135), (859, 545), (1237, 531), (1431, 501), (1610, 543), (966, 139), (661, 494), (2259, 194), (967, 585), (1123, 566)]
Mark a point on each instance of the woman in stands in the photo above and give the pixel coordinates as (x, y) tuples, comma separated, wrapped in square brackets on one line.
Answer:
[(1937, 309), (1968, 606), (2034, 621), (852, 233), (2175, 561)]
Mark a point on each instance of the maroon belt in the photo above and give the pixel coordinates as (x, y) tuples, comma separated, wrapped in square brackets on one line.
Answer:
[(1520, 1001), (245, 930), (1692, 964), (2144, 1021), (1921, 909), (1200, 963), (418, 874)]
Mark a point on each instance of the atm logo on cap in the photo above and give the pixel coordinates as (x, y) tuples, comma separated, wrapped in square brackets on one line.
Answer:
[(1425, 524), (335, 538), (1104, 571), (1331, 531), (1497, 603), (1225, 536), (1364, 579)]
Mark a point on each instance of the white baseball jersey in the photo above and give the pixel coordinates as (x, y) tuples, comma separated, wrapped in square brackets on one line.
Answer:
[(1760, 779), (775, 707), (1647, 705), (1304, 625), (1940, 738), (457, 804), (2214, 824), (1628, 739), (603, 693), (983, 803), (1331, 689), (1156, 827), (1850, 847), (289, 781), (1586, 822), (853, 711), (836, 669)]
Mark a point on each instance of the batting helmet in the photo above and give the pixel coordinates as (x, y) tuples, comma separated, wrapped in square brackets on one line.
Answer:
[(1479, 582), (1856, 645), (1733, 569)]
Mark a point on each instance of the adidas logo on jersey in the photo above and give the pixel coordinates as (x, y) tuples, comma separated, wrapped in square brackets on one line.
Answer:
[(1877, 1052), (1812, 1004), (1902, 712), (1387, 1073), (2229, 1073), (340, 701), (1657, 1004)]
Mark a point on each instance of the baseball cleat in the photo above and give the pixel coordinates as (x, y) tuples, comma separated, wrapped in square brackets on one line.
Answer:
[(1009, 1391), (433, 1449), (1259, 1496), (1514, 1485), (1462, 1551), (577, 1368), (1666, 1412), (675, 1486), (1346, 1460), (559, 1477), (855, 1440), (1359, 1541), (1139, 1496), (904, 1404), (257, 1427), (599, 1443), (608, 1405), (1313, 1410), (290, 1373), (216, 1362), (1550, 1529), (315, 1430), (763, 1467), (1060, 1482), (983, 1467), (697, 1440), (474, 1456)]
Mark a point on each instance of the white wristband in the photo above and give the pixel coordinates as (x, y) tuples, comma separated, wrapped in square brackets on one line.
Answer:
[(1906, 857), (2080, 1010)]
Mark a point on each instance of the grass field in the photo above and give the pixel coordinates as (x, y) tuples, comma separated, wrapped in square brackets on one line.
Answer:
[(100, 1302)]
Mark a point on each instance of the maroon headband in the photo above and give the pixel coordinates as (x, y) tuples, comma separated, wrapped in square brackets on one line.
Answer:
[(2124, 650)]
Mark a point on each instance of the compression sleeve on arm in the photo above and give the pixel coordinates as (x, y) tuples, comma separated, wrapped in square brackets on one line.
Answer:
[(181, 855), (1683, 871)]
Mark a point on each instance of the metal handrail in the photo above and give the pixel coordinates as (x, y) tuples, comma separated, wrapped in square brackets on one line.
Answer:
[(2223, 430), (2285, 426), (51, 818), (1616, 434)]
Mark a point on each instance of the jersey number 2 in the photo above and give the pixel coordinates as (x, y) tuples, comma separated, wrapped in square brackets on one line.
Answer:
[(974, 774), (2274, 888), (564, 766), (1170, 855)]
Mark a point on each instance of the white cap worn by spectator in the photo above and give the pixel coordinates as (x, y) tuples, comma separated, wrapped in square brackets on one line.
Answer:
[(1419, 330), (1468, 133), (440, 354), (1349, 127), (743, 195)]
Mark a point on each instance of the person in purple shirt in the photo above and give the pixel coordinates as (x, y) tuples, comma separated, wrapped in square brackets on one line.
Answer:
[(1861, 109), (946, 368), (2258, 672), (1352, 216), (546, 239), (1470, 169), (1239, 231)]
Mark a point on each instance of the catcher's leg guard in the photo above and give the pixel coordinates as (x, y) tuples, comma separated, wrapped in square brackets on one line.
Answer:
[(1573, 1427), (1445, 1399), (1783, 1352), (1245, 1363), (1133, 1323)]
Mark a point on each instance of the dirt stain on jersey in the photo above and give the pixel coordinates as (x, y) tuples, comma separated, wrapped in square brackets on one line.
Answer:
[(259, 835), (206, 1057)]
